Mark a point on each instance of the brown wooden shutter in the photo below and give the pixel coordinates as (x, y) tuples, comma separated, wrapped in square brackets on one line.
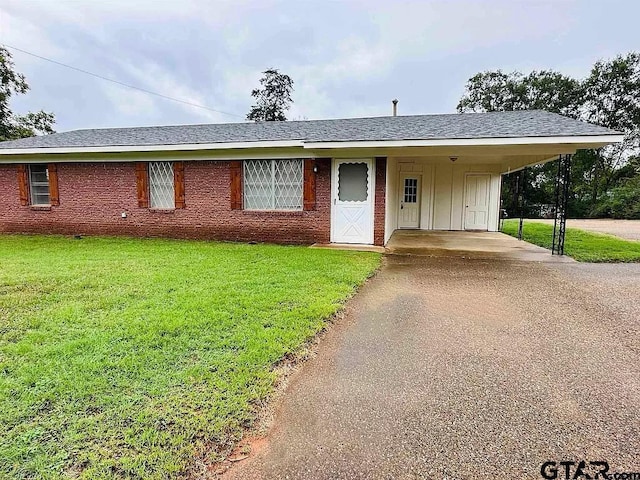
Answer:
[(23, 184), (309, 185), (142, 184), (178, 183), (235, 170), (54, 198)]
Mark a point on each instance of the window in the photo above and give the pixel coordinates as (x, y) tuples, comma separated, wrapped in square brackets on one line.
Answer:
[(353, 180), (410, 190), (273, 184), (39, 184), (161, 185)]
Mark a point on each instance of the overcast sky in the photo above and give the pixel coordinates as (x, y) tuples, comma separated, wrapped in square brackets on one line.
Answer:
[(346, 58)]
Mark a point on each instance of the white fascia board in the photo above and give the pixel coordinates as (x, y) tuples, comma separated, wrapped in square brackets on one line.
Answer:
[(154, 148), (585, 139), (456, 142)]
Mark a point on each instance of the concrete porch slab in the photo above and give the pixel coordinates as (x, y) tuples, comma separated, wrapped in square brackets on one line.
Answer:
[(468, 244)]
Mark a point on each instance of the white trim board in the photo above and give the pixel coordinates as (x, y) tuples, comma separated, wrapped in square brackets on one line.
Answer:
[(567, 140), (154, 148)]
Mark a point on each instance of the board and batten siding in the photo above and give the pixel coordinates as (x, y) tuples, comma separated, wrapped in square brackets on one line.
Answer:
[(442, 194)]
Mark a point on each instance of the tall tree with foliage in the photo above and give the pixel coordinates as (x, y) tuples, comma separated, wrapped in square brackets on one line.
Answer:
[(273, 98), (612, 99), (13, 126), (543, 90), (609, 96)]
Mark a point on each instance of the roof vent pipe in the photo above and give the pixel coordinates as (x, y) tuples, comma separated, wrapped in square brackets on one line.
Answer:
[(395, 107)]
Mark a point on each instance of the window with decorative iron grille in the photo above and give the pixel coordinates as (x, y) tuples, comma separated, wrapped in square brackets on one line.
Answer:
[(39, 184), (161, 186), (273, 184)]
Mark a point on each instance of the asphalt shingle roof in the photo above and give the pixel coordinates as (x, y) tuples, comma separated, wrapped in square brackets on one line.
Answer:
[(533, 123)]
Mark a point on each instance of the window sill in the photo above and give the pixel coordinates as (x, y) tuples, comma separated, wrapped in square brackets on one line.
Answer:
[(162, 210), (40, 208), (273, 212)]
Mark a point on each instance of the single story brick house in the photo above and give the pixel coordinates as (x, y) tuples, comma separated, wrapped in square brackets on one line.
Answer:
[(343, 181)]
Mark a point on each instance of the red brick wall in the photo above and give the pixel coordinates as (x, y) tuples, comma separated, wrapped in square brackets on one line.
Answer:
[(380, 198), (94, 195)]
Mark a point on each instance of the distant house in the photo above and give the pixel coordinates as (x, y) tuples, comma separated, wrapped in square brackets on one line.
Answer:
[(344, 181)]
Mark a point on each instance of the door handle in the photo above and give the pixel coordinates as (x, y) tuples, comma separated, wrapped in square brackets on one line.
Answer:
[(402, 206)]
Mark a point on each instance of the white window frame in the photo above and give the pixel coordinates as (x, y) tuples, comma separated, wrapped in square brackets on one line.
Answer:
[(153, 202), (273, 203), (39, 184)]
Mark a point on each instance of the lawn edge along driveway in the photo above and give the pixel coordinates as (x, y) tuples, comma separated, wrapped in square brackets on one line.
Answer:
[(581, 245), (131, 358)]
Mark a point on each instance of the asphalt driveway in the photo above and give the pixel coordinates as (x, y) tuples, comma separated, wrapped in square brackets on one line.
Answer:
[(447, 367)]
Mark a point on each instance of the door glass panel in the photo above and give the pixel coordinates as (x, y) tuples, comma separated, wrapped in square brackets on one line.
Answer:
[(352, 182), (410, 190)]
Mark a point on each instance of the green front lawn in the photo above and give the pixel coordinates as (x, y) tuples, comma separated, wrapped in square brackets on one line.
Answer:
[(582, 246), (130, 358)]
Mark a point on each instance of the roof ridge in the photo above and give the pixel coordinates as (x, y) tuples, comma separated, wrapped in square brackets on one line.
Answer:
[(421, 115)]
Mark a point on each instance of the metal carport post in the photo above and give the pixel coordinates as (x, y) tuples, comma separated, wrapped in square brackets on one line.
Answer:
[(563, 180)]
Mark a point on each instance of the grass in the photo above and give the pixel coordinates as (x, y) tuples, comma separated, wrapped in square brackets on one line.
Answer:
[(129, 358), (582, 246)]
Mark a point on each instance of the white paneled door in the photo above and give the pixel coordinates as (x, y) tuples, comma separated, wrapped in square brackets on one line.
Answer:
[(352, 192), (476, 211), (409, 215)]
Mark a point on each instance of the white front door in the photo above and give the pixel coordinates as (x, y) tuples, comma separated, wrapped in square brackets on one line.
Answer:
[(476, 211), (352, 192), (409, 215)]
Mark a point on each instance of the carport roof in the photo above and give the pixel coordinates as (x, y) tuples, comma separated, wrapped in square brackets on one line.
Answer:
[(513, 124)]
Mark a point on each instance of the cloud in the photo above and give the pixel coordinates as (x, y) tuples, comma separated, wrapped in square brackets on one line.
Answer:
[(129, 102), (159, 79), (346, 58)]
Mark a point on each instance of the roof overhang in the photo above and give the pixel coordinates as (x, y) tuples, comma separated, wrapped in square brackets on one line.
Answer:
[(153, 148), (595, 140), (574, 142)]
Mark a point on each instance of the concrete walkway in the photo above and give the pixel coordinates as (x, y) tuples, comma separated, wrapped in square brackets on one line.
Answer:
[(447, 367)]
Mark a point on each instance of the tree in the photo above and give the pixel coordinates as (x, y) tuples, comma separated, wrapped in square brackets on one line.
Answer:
[(623, 201), (609, 96), (14, 126), (273, 99), (543, 90), (612, 99)]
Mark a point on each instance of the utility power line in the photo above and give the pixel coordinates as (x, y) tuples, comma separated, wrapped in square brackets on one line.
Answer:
[(166, 97)]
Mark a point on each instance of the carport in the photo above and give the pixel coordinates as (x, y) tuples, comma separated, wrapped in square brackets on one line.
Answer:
[(459, 188)]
